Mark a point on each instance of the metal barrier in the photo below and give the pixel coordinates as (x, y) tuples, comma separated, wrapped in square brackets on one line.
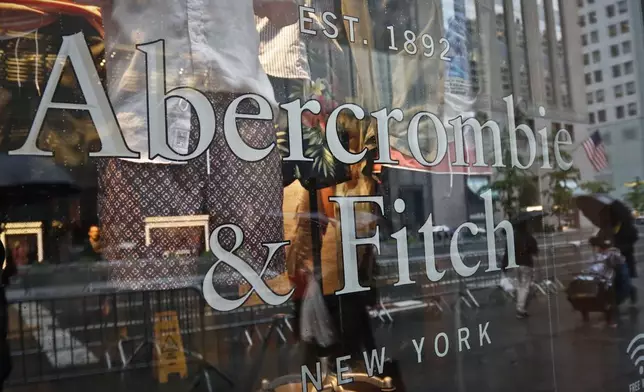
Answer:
[(56, 337), (61, 337)]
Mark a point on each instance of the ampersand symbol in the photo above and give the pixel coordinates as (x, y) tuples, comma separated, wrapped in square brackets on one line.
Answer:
[(255, 280)]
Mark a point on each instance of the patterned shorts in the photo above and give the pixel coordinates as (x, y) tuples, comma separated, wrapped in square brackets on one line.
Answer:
[(218, 184)]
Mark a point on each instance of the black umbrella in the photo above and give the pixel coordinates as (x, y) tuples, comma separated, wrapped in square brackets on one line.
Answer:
[(29, 179), (603, 210)]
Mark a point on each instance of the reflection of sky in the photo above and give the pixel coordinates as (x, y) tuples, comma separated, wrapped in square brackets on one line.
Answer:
[(516, 7), (448, 9), (556, 8), (542, 16)]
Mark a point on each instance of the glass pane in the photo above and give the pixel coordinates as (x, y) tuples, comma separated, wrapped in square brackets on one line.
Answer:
[(561, 51), (522, 52), (299, 195), (545, 45)]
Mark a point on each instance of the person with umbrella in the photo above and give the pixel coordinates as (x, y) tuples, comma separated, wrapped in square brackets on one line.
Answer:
[(614, 217), (526, 248)]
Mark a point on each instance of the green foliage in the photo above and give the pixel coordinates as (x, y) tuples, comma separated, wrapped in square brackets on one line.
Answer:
[(635, 196), (560, 195), (511, 186), (597, 187)]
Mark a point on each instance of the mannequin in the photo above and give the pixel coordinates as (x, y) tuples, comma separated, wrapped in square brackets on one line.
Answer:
[(218, 184)]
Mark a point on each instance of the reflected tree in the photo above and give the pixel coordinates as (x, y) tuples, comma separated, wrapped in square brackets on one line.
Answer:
[(559, 191), (635, 195), (597, 187), (510, 184)]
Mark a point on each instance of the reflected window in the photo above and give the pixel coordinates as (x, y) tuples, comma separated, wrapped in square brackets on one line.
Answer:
[(622, 6), (598, 76), (612, 30), (591, 118), (599, 96), (624, 27), (630, 88), (594, 36), (592, 17), (632, 109), (617, 71), (601, 116), (610, 10), (589, 98), (619, 112), (596, 56), (626, 47), (614, 50), (619, 91), (628, 68)]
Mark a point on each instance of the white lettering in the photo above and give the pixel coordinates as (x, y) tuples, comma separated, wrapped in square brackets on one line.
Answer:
[(463, 339), (483, 334), (442, 336), (97, 104), (491, 230), (329, 19), (350, 240), (512, 130), (430, 260), (562, 142), (294, 114), (304, 19), (333, 140), (306, 375), (379, 361), (383, 133), (342, 369), (419, 348), (441, 139)]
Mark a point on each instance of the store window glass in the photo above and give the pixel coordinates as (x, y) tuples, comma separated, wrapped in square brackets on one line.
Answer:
[(522, 69), (561, 54), (545, 58), (503, 49), (329, 195)]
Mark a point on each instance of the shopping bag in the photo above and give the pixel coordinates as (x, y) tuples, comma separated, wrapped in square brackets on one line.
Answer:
[(315, 320), (508, 284)]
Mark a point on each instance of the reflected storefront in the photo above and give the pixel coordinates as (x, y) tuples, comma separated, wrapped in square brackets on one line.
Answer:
[(281, 195)]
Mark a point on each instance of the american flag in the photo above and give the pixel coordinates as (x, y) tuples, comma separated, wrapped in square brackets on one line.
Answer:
[(596, 152)]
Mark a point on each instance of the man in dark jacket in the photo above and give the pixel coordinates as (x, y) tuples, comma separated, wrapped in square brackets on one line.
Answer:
[(525, 248)]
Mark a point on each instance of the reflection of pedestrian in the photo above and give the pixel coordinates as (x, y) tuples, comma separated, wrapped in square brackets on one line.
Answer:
[(526, 248), (93, 250), (604, 252), (20, 253)]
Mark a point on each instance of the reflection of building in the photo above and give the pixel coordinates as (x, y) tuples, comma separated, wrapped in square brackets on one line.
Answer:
[(509, 52), (613, 58)]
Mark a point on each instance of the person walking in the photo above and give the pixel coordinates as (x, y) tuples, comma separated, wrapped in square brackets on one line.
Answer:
[(526, 248), (625, 236)]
